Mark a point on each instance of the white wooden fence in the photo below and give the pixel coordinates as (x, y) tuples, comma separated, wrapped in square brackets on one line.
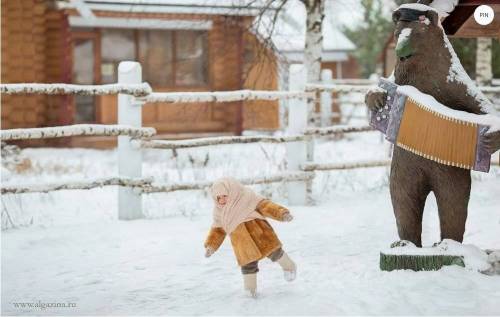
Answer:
[(132, 137)]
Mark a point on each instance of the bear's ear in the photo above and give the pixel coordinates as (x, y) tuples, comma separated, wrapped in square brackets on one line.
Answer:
[(433, 17), (395, 16)]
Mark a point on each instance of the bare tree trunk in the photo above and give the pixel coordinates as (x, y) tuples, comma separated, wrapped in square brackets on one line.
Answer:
[(484, 73), (315, 13), (314, 38)]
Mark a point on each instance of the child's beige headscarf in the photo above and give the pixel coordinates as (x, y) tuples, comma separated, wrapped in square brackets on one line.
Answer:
[(240, 205)]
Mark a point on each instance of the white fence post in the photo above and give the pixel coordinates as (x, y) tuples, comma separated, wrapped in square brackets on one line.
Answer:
[(129, 158), (297, 123), (326, 99)]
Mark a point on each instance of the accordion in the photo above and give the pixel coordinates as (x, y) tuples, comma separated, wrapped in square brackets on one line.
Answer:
[(418, 123)]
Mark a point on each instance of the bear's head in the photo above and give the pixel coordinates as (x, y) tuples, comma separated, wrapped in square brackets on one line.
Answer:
[(421, 50), (426, 59)]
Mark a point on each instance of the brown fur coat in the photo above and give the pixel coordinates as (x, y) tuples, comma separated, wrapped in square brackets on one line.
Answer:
[(254, 239)]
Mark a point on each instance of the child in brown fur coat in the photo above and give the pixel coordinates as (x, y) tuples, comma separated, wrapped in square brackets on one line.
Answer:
[(241, 213)]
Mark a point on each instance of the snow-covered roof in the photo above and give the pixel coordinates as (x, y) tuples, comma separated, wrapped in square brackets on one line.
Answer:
[(215, 7), (289, 32)]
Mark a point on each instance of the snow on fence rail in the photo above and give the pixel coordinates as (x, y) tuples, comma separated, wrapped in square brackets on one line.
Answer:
[(183, 144), (224, 140), (343, 166), (146, 185), (363, 87), (333, 130), (490, 89), (283, 177), (85, 184), (354, 81), (225, 96), (338, 88), (137, 90), (76, 130)]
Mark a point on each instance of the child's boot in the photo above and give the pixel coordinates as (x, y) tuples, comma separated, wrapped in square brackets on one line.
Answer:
[(288, 266), (250, 283)]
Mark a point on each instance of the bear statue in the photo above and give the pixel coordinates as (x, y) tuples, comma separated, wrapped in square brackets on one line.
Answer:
[(427, 61)]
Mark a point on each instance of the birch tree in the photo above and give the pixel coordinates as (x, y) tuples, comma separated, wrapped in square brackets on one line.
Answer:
[(484, 72), (314, 38), (315, 14)]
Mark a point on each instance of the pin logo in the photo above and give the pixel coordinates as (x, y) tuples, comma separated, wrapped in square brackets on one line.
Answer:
[(484, 14)]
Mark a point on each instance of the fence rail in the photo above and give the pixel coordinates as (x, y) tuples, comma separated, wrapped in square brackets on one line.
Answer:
[(343, 166), (146, 185), (491, 89), (338, 88), (133, 138), (352, 86), (225, 96), (172, 145), (84, 184), (76, 130), (282, 177), (335, 130), (136, 90)]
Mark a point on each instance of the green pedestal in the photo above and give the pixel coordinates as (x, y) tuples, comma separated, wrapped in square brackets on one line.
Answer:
[(390, 262)]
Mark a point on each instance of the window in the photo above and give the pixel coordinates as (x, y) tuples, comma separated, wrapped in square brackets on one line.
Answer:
[(191, 58), (83, 74), (116, 45), (156, 57), (168, 58)]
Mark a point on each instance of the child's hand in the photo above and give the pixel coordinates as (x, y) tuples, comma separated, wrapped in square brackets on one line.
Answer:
[(287, 217), (209, 252)]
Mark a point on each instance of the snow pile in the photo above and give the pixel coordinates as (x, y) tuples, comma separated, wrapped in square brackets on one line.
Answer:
[(475, 259), (430, 102)]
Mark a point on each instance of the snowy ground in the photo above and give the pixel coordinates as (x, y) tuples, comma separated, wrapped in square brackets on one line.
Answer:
[(69, 247)]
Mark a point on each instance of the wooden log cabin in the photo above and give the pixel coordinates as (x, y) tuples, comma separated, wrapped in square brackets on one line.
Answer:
[(182, 46)]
